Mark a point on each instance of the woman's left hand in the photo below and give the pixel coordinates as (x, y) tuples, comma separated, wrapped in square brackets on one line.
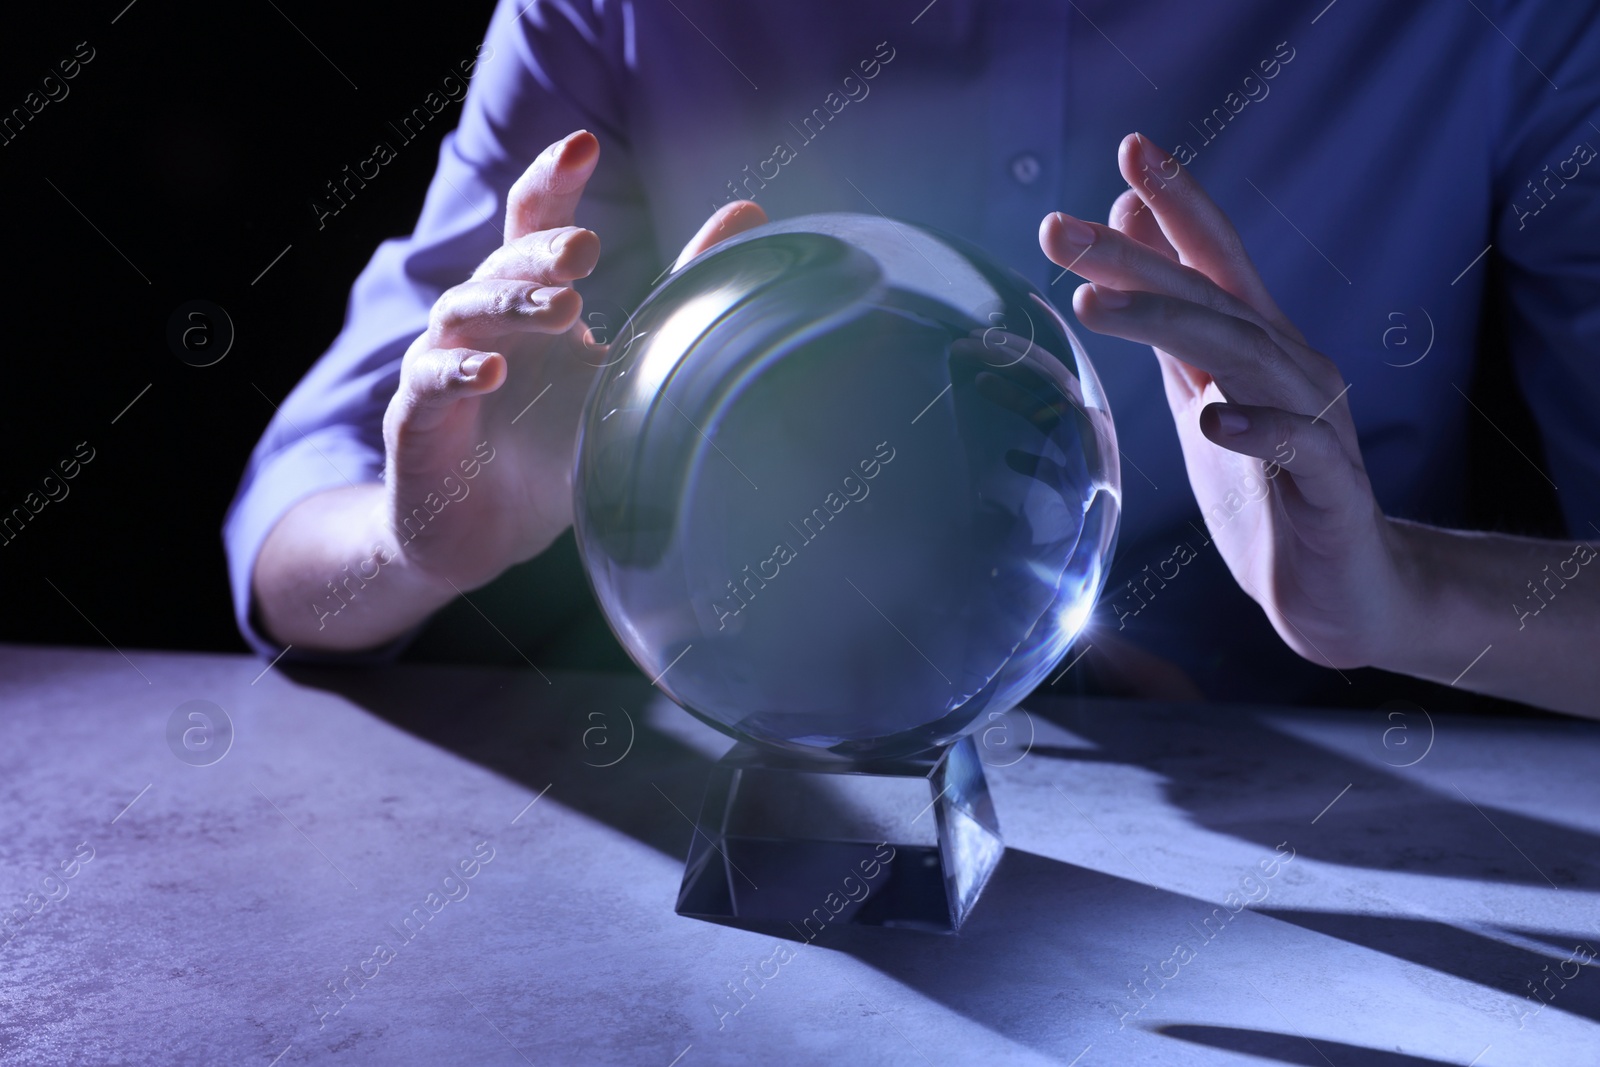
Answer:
[(1263, 418)]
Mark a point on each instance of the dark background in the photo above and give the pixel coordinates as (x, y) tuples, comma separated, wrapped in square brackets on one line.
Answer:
[(194, 142)]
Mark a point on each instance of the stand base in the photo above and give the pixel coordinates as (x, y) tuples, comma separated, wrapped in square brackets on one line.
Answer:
[(783, 840)]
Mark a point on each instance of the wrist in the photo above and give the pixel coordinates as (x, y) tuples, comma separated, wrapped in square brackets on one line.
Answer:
[(330, 576), (426, 584), (1442, 617), (1412, 600)]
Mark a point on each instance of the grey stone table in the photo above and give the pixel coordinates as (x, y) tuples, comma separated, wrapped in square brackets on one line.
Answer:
[(433, 866)]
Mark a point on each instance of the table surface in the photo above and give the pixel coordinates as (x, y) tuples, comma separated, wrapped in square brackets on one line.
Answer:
[(1442, 866)]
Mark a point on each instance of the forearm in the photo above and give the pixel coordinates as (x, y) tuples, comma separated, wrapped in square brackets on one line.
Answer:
[(331, 576), (1511, 617)]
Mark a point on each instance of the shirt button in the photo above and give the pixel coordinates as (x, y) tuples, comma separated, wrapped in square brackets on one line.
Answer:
[(1026, 168)]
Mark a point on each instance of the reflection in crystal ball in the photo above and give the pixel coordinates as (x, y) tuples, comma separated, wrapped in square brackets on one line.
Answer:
[(844, 485)]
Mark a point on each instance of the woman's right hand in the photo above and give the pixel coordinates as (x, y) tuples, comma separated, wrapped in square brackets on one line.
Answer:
[(479, 436)]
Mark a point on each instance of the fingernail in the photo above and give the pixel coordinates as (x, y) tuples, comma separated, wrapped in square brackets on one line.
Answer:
[(470, 365), (566, 152), (1112, 299), (1231, 421), (546, 294), (1078, 232)]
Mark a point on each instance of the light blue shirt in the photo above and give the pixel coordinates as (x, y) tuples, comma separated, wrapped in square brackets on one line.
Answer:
[(1382, 162)]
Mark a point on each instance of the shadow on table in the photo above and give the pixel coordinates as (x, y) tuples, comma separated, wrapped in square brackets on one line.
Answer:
[(1017, 944), (1219, 766), (1050, 933), (541, 734), (1292, 1048), (1451, 950), (588, 739), (1045, 961), (1224, 768)]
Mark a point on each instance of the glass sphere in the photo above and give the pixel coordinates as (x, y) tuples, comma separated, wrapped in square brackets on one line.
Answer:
[(844, 485)]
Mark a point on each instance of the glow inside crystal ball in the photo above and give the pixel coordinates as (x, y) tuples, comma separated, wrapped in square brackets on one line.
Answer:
[(845, 485)]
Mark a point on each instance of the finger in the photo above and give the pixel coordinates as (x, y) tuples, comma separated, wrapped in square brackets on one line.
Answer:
[(1249, 366), (1307, 447), (478, 314), (730, 219), (556, 256), (547, 194), (1112, 258), (434, 380), (1133, 217), (1202, 235)]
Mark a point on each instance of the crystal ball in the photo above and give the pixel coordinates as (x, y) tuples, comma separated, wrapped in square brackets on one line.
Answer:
[(845, 484)]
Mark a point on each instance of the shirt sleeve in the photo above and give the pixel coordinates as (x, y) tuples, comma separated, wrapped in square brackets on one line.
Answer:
[(544, 70), (1547, 234)]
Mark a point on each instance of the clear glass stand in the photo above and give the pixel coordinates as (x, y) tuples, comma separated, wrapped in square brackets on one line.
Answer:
[(789, 841)]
